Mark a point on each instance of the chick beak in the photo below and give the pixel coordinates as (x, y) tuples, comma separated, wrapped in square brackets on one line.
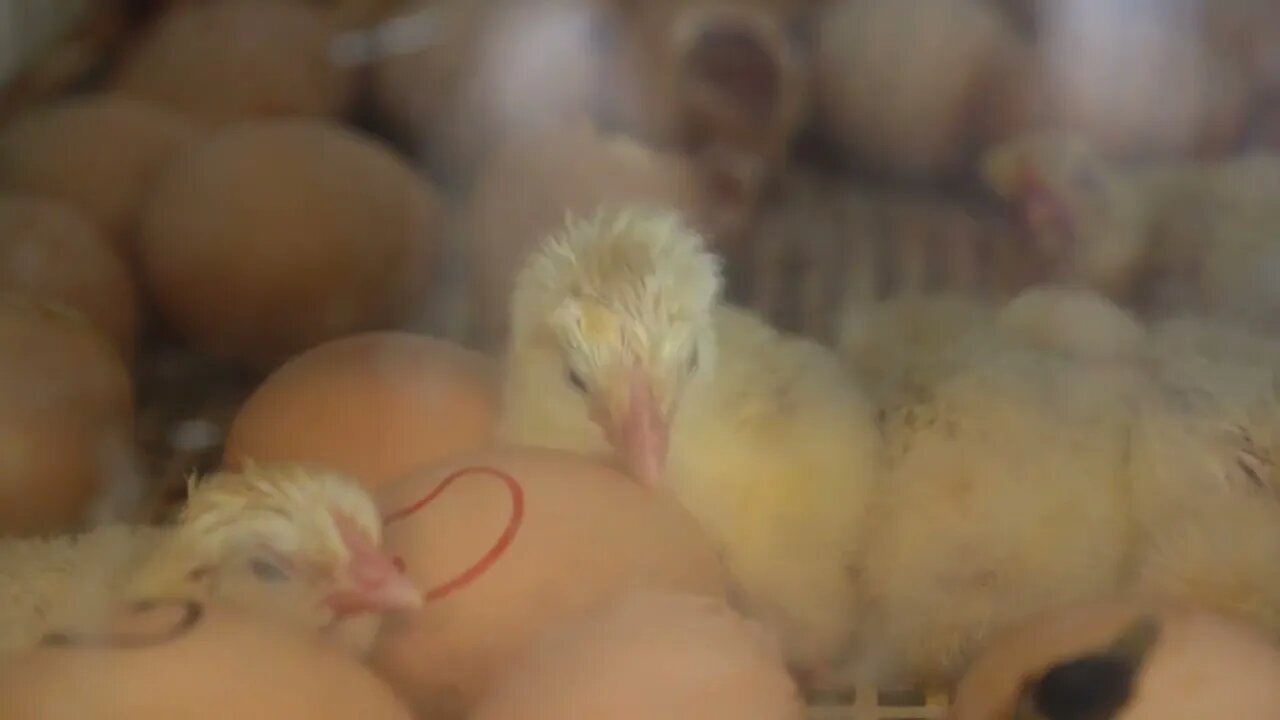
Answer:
[(641, 433), (372, 581)]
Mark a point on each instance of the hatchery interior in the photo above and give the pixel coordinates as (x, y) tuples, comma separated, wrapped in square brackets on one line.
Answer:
[(639, 359)]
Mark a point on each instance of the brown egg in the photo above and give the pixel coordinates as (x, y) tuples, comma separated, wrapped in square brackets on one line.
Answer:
[(374, 406), (50, 251), (519, 539), (232, 60), (1200, 665), (645, 657), (528, 186), (195, 662), (278, 235), (66, 411), (99, 153)]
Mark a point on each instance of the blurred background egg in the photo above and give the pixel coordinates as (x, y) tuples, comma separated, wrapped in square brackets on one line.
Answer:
[(278, 235), (50, 251), (99, 153), (66, 413), (529, 184), (645, 657), (221, 62), (191, 661), (1200, 665), (374, 406), (579, 535)]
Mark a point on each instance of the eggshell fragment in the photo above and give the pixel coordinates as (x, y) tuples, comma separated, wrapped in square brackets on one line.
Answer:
[(49, 251), (232, 60), (530, 183), (1201, 665), (649, 656), (374, 406), (277, 235), (518, 540), (66, 411), (98, 153), (493, 70), (191, 661)]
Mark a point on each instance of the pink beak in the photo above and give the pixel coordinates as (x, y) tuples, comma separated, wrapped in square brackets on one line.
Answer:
[(641, 434), (375, 582)]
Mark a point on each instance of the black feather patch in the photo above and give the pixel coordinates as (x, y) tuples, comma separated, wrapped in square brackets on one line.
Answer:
[(1088, 688), (1095, 686)]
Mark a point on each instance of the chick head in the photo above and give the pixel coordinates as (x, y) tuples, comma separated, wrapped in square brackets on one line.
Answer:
[(1083, 219), (296, 544), (619, 307)]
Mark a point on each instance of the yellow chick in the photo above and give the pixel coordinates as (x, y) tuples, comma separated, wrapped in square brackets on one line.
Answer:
[(1005, 492), (296, 544), (1172, 236), (1203, 466), (622, 348)]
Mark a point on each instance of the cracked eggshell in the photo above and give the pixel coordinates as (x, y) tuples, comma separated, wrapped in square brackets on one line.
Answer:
[(580, 536)]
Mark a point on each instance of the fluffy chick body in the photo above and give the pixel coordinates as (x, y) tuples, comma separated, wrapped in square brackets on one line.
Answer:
[(48, 581), (771, 446), (1005, 493), (1174, 236), (232, 522), (1203, 469)]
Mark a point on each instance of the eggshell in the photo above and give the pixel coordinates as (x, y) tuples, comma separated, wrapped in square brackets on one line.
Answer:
[(98, 153), (569, 537), (1202, 665), (702, 74), (493, 70), (902, 84), (531, 182), (649, 656), (232, 60), (1140, 80), (66, 411), (374, 406), (192, 661), (50, 251), (277, 235)]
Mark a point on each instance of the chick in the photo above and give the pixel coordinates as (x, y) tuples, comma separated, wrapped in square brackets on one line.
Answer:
[(622, 348), (1005, 492), (1203, 468), (285, 542), (1170, 236), (295, 544), (902, 346)]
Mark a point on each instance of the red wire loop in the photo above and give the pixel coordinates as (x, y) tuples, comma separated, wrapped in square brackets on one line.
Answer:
[(495, 552)]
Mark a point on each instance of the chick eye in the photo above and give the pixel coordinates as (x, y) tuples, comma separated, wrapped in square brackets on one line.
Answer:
[(268, 571), (576, 381)]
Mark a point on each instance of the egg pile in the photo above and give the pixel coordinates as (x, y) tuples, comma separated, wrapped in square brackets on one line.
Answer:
[(326, 203)]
